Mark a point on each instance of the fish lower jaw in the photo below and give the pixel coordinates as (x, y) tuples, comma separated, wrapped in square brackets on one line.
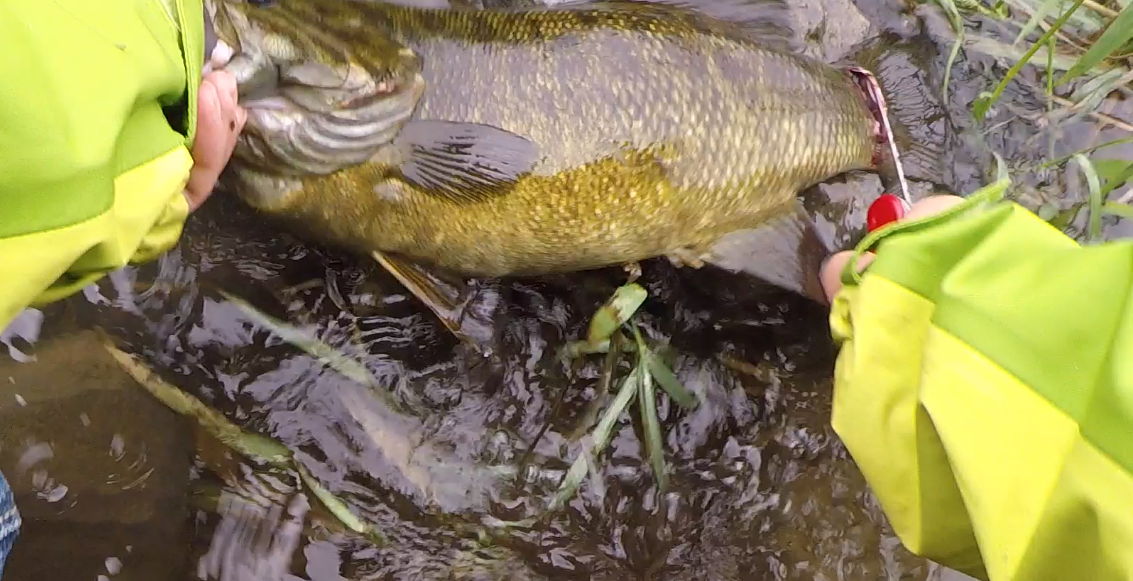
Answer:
[(263, 192), (221, 55)]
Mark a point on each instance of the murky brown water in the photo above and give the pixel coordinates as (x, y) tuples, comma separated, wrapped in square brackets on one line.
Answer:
[(113, 485)]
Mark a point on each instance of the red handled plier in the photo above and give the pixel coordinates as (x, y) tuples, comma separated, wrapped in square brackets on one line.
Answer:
[(885, 209)]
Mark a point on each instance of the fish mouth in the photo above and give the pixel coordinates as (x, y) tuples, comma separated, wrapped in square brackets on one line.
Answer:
[(283, 137), (392, 99), (886, 149), (870, 92), (221, 54)]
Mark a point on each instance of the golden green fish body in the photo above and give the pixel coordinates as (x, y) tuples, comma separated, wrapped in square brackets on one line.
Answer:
[(654, 130)]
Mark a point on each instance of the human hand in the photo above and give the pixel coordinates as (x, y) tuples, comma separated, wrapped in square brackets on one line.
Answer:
[(832, 270), (219, 122)]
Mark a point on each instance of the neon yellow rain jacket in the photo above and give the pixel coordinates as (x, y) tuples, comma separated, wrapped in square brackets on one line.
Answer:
[(985, 388), (91, 170)]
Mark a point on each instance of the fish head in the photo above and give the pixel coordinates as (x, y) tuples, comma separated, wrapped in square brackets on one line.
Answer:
[(322, 91)]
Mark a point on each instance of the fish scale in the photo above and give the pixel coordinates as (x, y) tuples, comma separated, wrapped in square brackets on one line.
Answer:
[(652, 129)]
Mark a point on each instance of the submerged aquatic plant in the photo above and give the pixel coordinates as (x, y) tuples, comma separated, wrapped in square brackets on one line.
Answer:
[(606, 334), (326, 354), (253, 446)]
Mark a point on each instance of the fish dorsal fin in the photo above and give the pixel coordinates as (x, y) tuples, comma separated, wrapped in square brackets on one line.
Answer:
[(768, 22), (463, 162), (787, 252)]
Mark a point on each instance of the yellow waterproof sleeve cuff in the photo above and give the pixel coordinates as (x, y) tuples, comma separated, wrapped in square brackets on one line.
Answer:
[(91, 168), (140, 225), (982, 389)]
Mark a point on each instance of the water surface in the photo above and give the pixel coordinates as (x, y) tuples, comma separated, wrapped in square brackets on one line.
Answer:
[(114, 485)]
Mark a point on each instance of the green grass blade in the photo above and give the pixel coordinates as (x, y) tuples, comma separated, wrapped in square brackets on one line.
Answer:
[(1103, 83), (602, 434), (1063, 219), (1090, 149), (250, 445), (1113, 173), (578, 348), (1119, 209), (1051, 47), (605, 384), (1082, 22), (1048, 57), (612, 315), (1001, 173), (1037, 17), (1095, 219), (1116, 35), (605, 428), (669, 382), (976, 6), (338, 508), (326, 354), (654, 441), (597, 485), (979, 110), (1090, 95), (952, 55), (573, 479), (254, 446), (949, 7), (664, 376)]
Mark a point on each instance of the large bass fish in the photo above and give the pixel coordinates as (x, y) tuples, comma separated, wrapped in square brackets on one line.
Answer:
[(524, 142)]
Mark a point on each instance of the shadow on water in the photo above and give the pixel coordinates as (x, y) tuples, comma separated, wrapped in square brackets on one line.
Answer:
[(113, 485)]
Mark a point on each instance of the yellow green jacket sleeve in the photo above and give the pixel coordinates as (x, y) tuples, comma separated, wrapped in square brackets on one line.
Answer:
[(984, 385), (92, 170)]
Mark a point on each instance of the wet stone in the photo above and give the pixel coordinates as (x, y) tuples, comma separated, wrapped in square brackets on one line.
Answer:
[(829, 28)]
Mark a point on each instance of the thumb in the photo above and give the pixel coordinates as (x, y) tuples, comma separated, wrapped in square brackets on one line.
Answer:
[(831, 275), (219, 121), (835, 265)]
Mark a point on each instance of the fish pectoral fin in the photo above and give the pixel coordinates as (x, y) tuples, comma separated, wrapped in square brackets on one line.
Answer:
[(686, 257), (633, 271), (786, 252), (453, 302), (442, 296), (464, 162)]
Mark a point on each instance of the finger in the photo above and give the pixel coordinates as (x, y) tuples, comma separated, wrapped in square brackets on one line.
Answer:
[(931, 205), (226, 88), (209, 138), (219, 122), (241, 120), (235, 115), (832, 271), (831, 275)]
